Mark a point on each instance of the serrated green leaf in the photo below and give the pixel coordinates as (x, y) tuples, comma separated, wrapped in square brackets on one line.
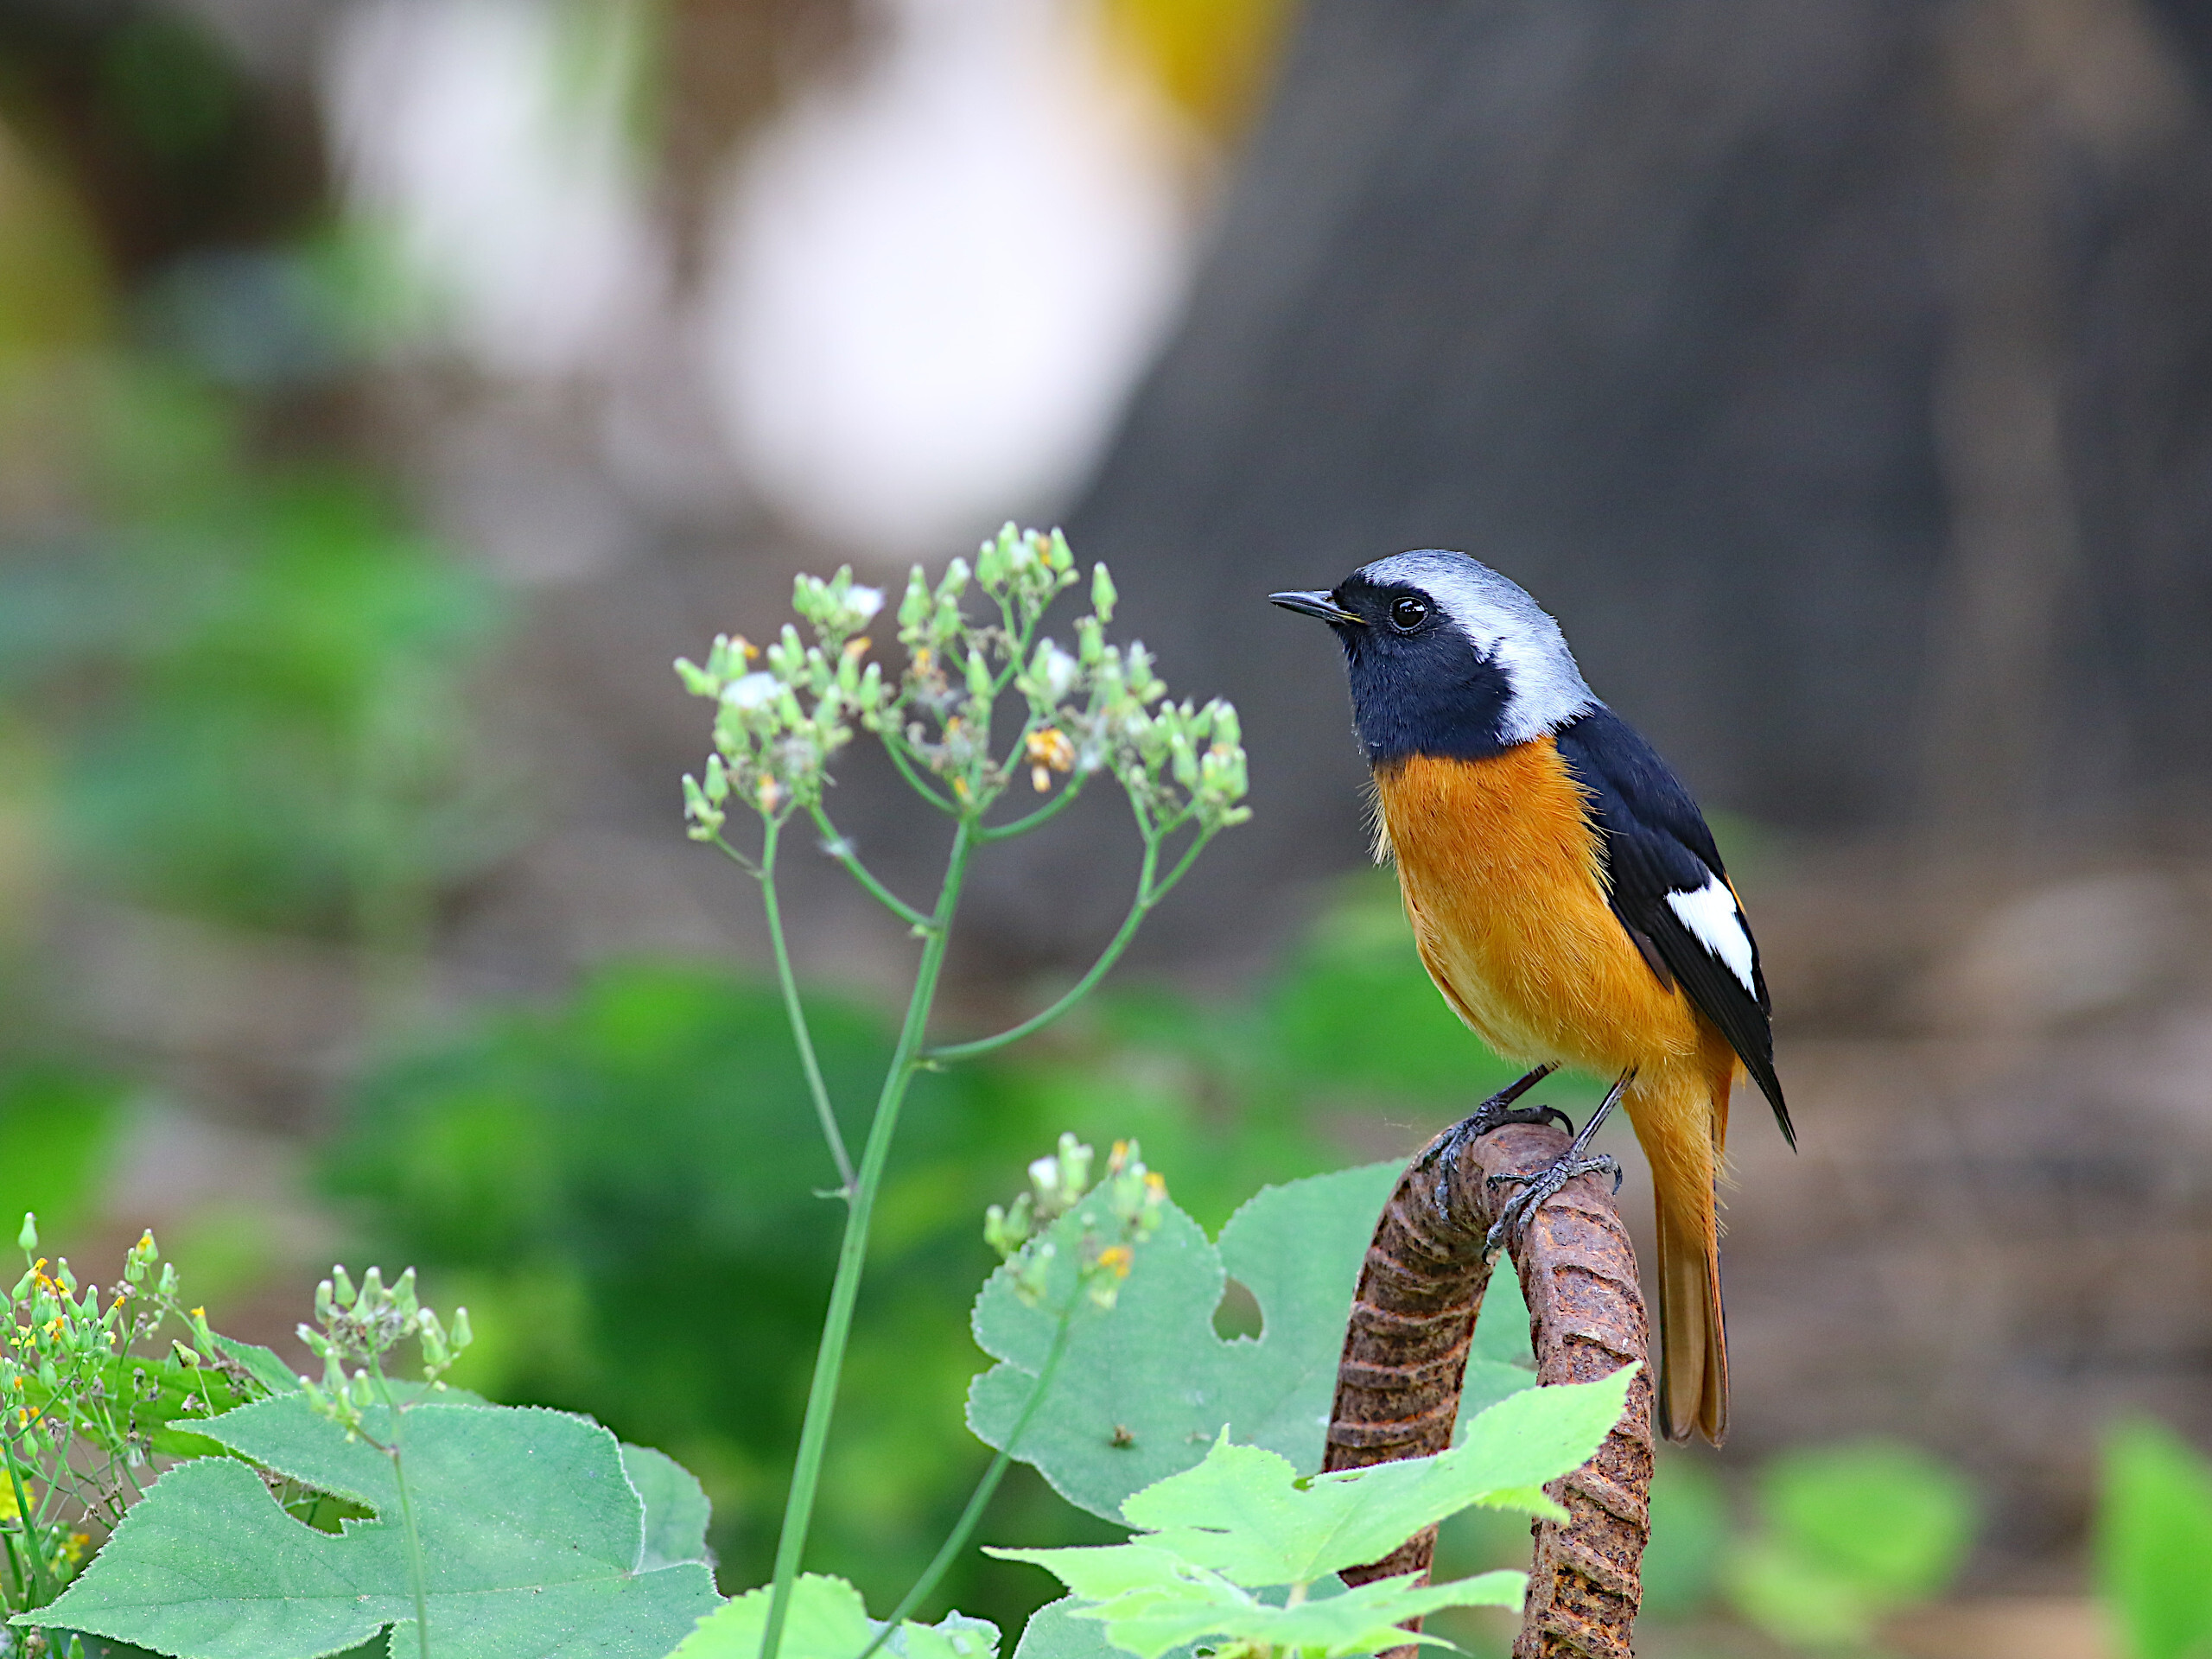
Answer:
[(1244, 1512), (1055, 1632), (1216, 1536), (1102, 1571), (260, 1363), (1358, 1621), (531, 1536), (1107, 1426), (829, 1620), (677, 1509)]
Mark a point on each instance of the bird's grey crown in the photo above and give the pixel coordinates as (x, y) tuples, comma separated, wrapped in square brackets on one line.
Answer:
[(1505, 626)]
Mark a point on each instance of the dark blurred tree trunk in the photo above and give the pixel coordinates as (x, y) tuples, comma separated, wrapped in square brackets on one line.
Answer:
[(1836, 372)]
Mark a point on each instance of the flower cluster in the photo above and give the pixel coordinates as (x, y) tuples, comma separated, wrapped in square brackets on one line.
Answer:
[(1098, 706), (360, 1327), (1129, 1203), (80, 1404), (776, 726)]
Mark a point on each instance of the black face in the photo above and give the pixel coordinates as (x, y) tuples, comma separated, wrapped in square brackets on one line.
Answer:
[(1418, 685)]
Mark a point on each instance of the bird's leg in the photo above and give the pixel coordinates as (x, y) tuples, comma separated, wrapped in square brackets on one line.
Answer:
[(1495, 1114), (1513, 1220)]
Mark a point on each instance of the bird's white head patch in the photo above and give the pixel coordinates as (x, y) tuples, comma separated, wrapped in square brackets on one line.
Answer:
[(1504, 626)]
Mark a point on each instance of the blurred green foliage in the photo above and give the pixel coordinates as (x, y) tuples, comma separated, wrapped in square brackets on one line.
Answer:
[(58, 1125), (249, 677), (1849, 1535), (1690, 1535), (2154, 1543)]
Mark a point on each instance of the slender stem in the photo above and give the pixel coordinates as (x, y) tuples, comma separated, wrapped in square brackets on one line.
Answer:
[(794, 1010), (979, 1499), (1148, 894), (1044, 814), (839, 848), (24, 1513), (852, 1252), (895, 745), (415, 1570)]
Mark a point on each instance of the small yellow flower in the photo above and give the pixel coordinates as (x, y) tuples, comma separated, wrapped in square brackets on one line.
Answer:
[(1116, 1259), (1049, 752), (8, 1510)]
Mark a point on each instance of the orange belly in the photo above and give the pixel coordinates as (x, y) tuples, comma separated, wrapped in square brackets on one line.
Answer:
[(1499, 865)]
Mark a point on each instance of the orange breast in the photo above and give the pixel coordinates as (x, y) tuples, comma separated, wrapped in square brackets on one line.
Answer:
[(1500, 868)]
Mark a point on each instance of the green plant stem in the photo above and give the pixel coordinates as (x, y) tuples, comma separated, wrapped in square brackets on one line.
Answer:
[(1148, 894), (1043, 814), (415, 1571), (852, 1251), (40, 1588), (839, 848), (895, 745), (986, 1488), (802, 1034)]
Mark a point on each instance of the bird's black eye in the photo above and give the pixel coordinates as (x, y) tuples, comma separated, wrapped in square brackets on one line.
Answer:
[(1406, 615)]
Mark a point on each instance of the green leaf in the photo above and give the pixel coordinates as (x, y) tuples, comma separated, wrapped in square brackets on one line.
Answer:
[(260, 1363), (1107, 1428), (532, 1539), (2154, 1543), (827, 1620), (172, 1401), (1245, 1513), (1243, 1522), (1055, 1632), (1097, 1572), (677, 1509), (1358, 1621)]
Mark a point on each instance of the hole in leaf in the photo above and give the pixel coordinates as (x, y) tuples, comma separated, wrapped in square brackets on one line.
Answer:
[(1238, 1314)]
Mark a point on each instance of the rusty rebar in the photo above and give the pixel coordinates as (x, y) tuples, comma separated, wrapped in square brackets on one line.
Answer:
[(1406, 1353)]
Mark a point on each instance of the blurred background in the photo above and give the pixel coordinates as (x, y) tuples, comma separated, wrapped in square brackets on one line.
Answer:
[(390, 389)]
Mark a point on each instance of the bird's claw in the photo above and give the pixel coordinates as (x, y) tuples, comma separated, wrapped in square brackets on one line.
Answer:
[(1493, 1114), (1512, 1222)]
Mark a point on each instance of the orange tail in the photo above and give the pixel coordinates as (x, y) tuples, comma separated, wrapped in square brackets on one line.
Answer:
[(1681, 1118), (1693, 1335)]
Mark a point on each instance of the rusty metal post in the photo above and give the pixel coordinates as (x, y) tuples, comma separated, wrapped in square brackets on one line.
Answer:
[(1405, 1352)]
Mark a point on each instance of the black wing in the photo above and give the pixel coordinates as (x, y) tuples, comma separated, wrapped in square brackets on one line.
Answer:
[(1670, 891)]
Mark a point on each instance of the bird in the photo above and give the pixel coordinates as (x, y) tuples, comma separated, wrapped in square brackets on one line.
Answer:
[(1568, 900)]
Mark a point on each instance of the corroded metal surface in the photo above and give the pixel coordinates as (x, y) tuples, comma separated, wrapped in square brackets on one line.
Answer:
[(1405, 1352)]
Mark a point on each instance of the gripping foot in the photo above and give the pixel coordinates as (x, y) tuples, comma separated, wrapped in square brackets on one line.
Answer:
[(1512, 1222), (1495, 1114)]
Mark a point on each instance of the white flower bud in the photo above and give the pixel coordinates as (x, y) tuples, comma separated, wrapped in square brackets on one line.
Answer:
[(750, 692)]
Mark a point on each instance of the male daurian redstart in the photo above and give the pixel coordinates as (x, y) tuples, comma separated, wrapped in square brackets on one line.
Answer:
[(1568, 901)]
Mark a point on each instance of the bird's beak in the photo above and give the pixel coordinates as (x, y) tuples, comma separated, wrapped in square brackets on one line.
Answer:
[(1318, 603)]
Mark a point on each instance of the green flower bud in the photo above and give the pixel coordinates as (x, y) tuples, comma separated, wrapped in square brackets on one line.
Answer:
[(915, 606), (1104, 597), (27, 1235)]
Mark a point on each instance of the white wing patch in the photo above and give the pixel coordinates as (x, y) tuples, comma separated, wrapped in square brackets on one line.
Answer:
[(1710, 915)]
